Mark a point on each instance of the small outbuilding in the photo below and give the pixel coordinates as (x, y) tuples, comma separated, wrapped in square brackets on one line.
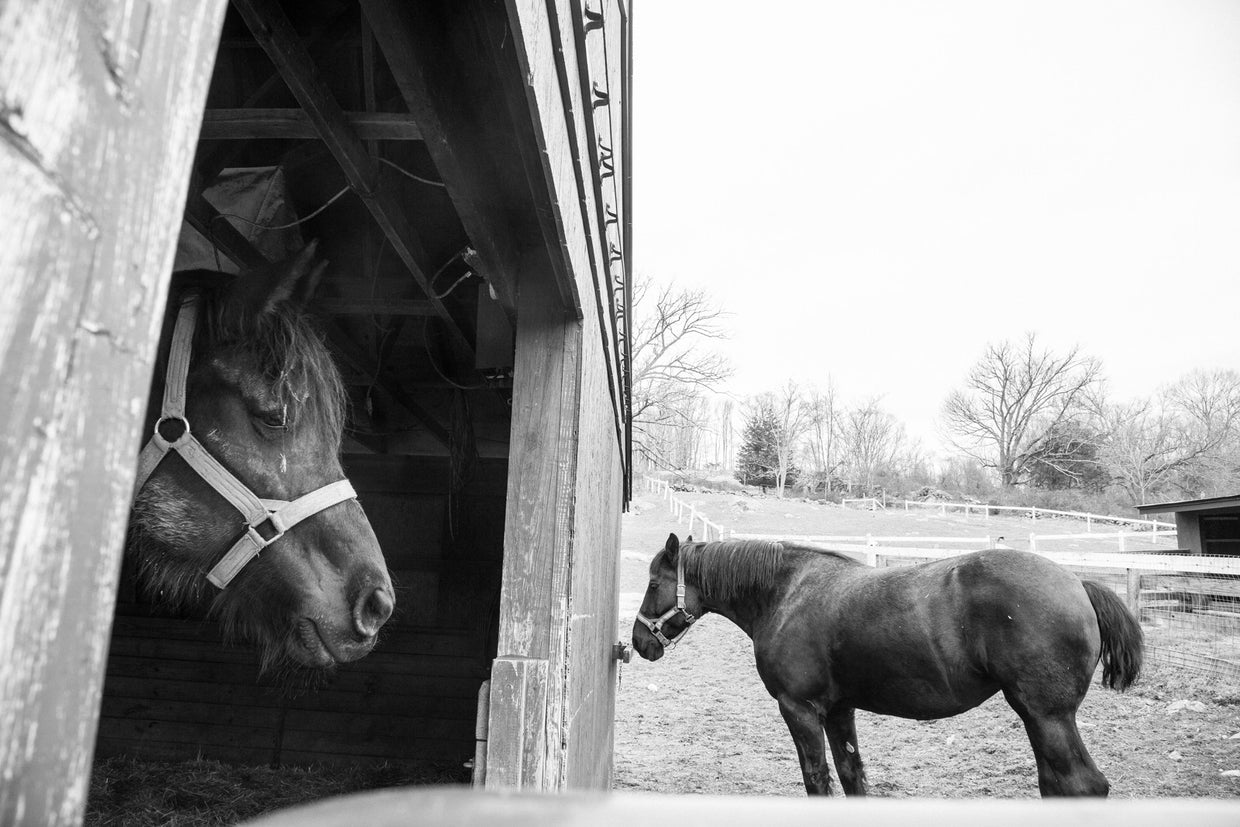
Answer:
[(1206, 526)]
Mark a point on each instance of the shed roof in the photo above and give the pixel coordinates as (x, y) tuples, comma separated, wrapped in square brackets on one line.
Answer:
[(1229, 503)]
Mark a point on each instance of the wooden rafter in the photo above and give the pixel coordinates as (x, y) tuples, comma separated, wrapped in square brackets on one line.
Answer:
[(320, 42), (411, 50), (273, 31), (203, 217), (375, 307), (295, 124)]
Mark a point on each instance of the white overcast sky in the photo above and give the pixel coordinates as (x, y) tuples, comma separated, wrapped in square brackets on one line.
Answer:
[(875, 190)]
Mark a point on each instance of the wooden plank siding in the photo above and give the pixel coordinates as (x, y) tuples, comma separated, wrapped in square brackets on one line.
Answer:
[(100, 104), (567, 460), (537, 529), (173, 691), (591, 669)]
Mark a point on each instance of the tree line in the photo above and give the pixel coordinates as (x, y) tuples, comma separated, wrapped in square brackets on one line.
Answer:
[(1025, 417)]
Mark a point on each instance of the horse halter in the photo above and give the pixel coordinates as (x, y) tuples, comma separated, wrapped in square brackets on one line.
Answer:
[(656, 626), (266, 520)]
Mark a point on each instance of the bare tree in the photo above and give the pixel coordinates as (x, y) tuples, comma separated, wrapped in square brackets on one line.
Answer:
[(1177, 436), (672, 366), (870, 441), (1014, 398), (794, 420), (822, 433)]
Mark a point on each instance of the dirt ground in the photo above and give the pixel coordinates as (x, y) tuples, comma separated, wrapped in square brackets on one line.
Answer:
[(699, 720)]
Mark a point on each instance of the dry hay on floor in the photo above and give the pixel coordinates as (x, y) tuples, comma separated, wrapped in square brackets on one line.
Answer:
[(133, 793)]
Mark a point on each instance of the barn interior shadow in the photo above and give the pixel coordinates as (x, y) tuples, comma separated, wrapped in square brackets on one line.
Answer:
[(419, 315)]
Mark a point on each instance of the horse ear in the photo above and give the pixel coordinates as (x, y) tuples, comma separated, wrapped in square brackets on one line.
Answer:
[(292, 281), (672, 545)]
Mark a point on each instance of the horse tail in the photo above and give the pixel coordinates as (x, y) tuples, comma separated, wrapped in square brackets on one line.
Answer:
[(1122, 637)]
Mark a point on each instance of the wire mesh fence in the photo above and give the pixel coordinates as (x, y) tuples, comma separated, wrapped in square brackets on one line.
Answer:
[(1192, 619), (1188, 605)]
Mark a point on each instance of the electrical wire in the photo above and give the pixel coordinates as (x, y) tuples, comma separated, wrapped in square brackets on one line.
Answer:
[(409, 174), (328, 203), (430, 357)]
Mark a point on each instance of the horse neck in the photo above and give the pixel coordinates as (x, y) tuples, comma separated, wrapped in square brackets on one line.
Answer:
[(750, 605)]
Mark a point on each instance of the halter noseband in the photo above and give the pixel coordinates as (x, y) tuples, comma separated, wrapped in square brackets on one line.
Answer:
[(656, 626), (266, 520)]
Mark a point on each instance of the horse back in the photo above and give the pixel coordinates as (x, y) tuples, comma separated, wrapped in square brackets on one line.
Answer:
[(928, 640)]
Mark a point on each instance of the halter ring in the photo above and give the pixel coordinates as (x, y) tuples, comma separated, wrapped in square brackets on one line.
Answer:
[(162, 441)]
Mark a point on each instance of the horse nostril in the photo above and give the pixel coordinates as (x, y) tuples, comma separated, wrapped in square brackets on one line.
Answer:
[(372, 611)]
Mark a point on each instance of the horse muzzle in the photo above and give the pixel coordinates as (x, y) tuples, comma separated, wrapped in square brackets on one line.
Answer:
[(645, 643)]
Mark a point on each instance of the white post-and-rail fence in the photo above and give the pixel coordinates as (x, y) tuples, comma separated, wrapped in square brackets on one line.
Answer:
[(681, 510), (1154, 527), (869, 540), (1122, 537), (1134, 565), (685, 511)]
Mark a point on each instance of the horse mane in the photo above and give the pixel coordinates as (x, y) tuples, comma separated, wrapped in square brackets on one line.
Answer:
[(285, 342), (729, 569)]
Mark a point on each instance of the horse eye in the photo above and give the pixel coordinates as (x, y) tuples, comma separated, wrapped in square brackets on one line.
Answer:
[(273, 419)]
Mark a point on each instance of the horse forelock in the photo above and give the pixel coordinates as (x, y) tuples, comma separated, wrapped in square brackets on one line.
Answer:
[(299, 371), (730, 569)]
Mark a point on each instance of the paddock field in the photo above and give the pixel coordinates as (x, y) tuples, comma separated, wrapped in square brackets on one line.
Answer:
[(699, 721)]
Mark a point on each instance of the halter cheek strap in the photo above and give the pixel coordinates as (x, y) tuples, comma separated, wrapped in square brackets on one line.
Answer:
[(266, 520), (656, 626)]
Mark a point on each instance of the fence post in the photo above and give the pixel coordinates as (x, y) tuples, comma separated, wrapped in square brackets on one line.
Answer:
[(906, 505), (942, 509), (1089, 522), (1033, 542), (1033, 514), (1122, 545), (692, 515), (1134, 592)]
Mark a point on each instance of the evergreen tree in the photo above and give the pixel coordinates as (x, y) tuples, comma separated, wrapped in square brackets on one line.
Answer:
[(758, 460)]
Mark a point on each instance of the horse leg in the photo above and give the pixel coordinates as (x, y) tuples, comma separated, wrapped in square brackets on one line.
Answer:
[(806, 729), (841, 729), (1064, 765)]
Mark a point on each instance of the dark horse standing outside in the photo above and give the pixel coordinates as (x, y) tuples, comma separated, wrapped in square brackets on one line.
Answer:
[(241, 506), (832, 635)]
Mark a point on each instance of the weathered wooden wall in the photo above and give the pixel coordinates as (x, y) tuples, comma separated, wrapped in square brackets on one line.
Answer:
[(553, 685), (525, 685), (590, 669), (100, 104)]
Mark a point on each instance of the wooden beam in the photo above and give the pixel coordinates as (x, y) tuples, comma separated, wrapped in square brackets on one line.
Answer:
[(374, 307), (238, 248), (416, 52), (322, 39), (100, 113), (294, 124), (385, 378), (538, 527), (273, 31)]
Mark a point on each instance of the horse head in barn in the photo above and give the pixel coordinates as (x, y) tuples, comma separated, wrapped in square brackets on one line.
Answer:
[(241, 505)]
